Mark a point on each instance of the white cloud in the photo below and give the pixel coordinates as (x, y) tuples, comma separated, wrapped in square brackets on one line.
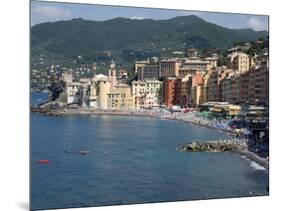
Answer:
[(137, 18), (257, 24), (49, 13)]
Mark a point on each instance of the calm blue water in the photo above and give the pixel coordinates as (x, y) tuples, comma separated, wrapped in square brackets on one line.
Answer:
[(132, 160)]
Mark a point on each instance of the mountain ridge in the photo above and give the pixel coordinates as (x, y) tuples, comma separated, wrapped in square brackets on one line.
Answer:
[(129, 39)]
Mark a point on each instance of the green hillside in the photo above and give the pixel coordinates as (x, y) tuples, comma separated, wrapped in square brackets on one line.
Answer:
[(128, 39)]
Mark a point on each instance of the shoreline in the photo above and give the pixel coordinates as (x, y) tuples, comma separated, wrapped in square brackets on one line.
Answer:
[(62, 112), (254, 157), (58, 112)]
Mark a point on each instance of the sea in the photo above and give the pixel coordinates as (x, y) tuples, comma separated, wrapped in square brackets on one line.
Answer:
[(130, 160)]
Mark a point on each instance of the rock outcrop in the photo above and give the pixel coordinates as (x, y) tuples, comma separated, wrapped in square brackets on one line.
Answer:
[(213, 146)]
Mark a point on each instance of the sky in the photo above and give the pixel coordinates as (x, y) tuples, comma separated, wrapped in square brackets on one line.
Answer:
[(53, 11)]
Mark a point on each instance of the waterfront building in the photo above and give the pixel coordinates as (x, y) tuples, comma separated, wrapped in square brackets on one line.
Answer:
[(177, 91), (84, 91), (169, 91), (72, 90), (259, 90), (93, 97), (183, 91), (112, 75), (147, 93), (100, 92), (120, 98), (153, 93), (138, 90), (223, 73), (231, 88), (244, 87), (94, 89), (226, 89), (103, 89), (196, 95), (213, 86), (249, 86), (204, 88), (214, 83)]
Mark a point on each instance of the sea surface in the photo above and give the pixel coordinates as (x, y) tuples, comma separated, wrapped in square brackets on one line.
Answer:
[(130, 160)]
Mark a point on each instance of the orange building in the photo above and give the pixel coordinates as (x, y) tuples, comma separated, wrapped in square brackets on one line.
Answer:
[(169, 91)]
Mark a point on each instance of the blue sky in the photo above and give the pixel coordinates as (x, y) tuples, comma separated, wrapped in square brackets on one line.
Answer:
[(51, 11)]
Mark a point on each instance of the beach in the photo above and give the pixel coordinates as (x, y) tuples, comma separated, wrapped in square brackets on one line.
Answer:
[(190, 118)]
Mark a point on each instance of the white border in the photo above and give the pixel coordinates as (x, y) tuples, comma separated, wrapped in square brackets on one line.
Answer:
[(14, 185)]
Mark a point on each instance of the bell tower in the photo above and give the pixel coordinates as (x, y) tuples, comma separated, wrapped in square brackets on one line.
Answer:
[(112, 74)]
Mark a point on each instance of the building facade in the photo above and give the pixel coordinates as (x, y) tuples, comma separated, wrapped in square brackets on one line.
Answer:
[(148, 72), (169, 91), (147, 93), (239, 61), (169, 68), (120, 98)]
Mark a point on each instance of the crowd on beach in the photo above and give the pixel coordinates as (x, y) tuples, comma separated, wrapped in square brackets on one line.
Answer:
[(191, 117)]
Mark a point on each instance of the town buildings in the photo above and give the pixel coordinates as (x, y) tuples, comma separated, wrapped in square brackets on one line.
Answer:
[(182, 82), (100, 92)]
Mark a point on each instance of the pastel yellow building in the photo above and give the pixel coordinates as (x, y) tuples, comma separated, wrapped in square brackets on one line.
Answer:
[(239, 61), (103, 88), (138, 90), (196, 95), (120, 98)]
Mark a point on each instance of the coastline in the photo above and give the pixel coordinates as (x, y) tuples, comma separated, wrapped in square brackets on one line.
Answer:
[(64, 112), (254, 157)]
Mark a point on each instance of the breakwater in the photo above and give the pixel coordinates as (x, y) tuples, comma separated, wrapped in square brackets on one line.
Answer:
[(213, 146), (224, 146)]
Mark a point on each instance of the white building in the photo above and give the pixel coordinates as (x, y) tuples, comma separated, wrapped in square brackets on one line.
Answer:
[(154, 93), (73, 94), (147, 93)]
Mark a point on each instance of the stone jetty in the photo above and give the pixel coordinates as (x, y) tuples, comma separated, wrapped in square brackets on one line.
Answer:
[(214, 146)]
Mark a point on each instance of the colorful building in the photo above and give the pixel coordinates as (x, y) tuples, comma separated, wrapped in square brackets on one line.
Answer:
[(147, 93), (169, 91)]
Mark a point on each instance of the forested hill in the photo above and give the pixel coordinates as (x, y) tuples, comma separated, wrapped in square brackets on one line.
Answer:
[(129, 39)]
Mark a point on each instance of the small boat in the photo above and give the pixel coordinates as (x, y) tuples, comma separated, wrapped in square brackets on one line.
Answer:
[(84, 152), (44, 161)]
